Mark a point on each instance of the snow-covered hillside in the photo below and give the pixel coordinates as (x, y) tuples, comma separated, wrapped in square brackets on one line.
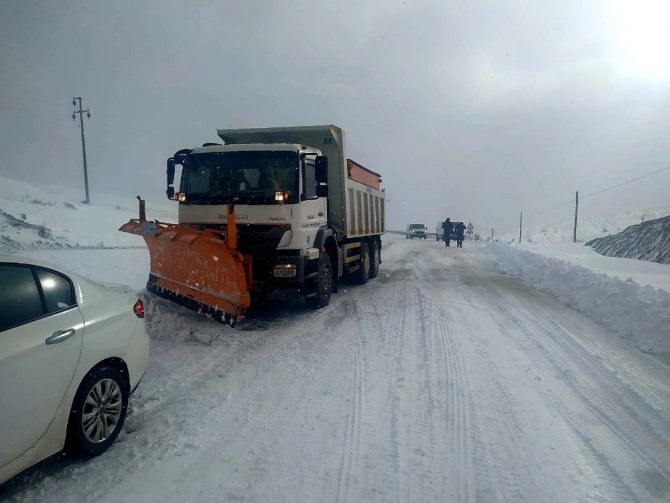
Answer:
[(588, 228), (649, 240), (32, 217)]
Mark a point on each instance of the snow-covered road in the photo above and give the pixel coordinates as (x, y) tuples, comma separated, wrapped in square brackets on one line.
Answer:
[(441, 380)]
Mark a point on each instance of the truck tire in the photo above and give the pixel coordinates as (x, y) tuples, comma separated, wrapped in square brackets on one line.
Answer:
[(363, 272), (317, 295), (375, 260)]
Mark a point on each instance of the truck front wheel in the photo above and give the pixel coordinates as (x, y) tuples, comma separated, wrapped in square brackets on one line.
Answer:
[(321, 286)]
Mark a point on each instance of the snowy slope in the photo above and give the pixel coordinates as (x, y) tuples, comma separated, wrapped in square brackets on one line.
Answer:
[(32, 217), (587, 227), (646, 241)]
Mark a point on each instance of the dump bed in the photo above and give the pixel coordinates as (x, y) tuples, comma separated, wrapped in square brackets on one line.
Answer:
[(355, 198)]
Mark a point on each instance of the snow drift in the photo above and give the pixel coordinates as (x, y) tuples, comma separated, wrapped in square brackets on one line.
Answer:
[(646, 241), (640, 314)]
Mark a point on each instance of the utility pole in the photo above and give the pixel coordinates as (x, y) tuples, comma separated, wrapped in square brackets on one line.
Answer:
[(574, 232), (491, 234), (83, 140), (520, 225)]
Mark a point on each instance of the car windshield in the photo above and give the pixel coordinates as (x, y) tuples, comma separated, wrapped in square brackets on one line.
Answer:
[(418, 226), (244, 177)]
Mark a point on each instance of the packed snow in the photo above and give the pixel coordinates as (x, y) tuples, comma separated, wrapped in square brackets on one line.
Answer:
[(457, 374), (614, 297)]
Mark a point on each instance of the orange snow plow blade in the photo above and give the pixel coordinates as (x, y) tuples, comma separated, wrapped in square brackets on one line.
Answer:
[(197, 265)]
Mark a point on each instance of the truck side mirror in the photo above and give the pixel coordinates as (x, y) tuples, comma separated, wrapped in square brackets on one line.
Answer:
[(170, 178), (322, 191), (321, 169)]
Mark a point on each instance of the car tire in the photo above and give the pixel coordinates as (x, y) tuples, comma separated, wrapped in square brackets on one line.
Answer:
[(363, 272), (318, 295), (98, 412), (375, 260)]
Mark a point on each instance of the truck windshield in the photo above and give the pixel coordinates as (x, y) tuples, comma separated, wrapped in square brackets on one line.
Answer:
[(241, 177)]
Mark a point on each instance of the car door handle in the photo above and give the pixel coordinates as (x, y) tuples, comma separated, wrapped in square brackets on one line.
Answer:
[(59, 336)]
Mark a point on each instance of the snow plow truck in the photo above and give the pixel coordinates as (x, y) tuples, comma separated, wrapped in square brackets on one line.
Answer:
[(269, 208)]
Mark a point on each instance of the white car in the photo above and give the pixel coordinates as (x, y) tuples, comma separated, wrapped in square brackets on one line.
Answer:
[(71, 353)]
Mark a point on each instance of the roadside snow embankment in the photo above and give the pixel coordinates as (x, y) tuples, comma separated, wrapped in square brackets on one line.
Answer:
[(640, 314)]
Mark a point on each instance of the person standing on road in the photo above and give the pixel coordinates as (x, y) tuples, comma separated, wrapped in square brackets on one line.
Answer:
[(447, 228), (460, 231)]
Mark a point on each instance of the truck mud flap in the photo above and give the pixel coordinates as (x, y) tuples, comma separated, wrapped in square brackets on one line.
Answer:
[(197, 265)]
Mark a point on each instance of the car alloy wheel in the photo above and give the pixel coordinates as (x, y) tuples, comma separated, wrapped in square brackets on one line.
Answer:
[(102, 411), (98, 411)]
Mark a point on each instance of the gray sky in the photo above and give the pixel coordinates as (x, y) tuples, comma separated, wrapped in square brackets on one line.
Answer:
[(475, 110)]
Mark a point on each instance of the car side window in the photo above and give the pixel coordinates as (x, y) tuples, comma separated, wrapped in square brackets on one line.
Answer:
[(20, 300), (58, 292)]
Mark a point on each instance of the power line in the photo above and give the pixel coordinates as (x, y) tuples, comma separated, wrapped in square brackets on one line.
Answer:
[(625, 183), (571, 201)]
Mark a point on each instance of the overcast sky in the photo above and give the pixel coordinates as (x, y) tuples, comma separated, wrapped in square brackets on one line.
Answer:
[(475, 110)]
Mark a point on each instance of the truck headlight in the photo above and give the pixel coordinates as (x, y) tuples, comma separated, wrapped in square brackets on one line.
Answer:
[(285, 271)]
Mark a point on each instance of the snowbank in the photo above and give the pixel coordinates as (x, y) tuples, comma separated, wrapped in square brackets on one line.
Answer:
[(640, 314)]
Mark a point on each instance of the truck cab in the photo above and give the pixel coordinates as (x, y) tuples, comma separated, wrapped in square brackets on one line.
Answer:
[(273, 189)]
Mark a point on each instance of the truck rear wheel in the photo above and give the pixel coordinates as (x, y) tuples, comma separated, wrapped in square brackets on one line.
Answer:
[(375, 260), (321, 286), (363, 272)]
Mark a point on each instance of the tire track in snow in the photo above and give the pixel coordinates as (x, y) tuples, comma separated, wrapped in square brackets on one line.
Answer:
[(498, 438), (612, 405), (457, 402), (581, 375), (350, 458)]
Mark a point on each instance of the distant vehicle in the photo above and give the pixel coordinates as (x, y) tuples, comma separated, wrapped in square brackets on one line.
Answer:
[(71, 353), (439, 231), (416, 231)]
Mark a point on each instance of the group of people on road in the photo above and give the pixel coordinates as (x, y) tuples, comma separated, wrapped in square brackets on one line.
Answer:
[(458, 229)]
